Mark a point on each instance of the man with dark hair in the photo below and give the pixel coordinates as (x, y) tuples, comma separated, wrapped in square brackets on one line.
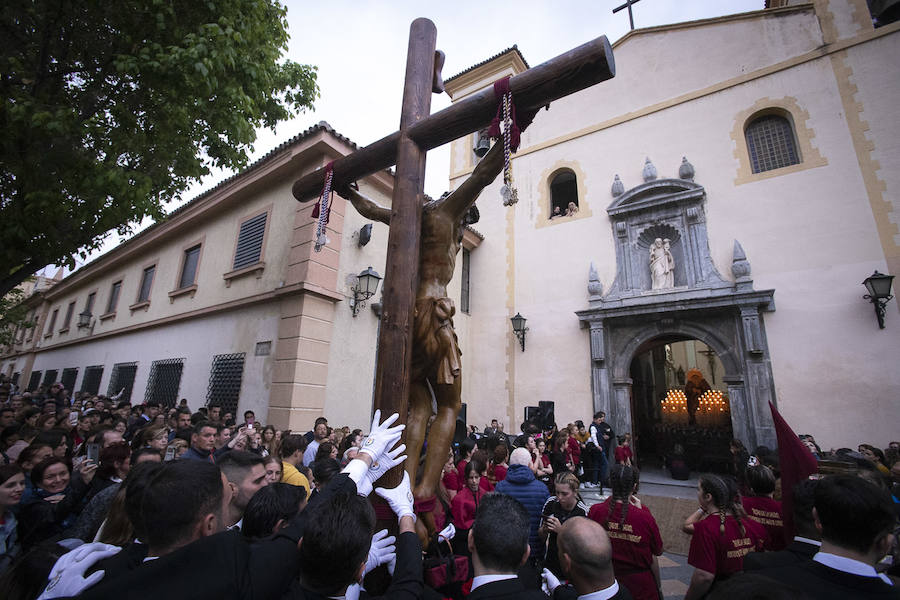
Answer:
[(292, 448), (271, 509), (498, 541), (320, 433), (246, 474), (598, 448), (223, 435), (310, 435), (182, 422), (203, 444), (807, 541), (7, 417), (214, 413), (856, 519), (585, 556)]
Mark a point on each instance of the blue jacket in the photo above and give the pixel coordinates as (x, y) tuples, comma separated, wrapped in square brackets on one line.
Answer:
[(521, 485)]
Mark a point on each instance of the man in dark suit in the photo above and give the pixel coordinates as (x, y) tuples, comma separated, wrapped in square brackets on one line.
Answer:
[(498, 541), (585, 556), (856, 519), (805, 544)]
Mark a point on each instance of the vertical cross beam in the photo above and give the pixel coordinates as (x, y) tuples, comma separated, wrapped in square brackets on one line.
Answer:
[(402, 269)]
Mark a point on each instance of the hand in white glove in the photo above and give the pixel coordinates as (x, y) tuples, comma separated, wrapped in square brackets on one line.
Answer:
[(549, 582), (352, 592), (382, 550), (446, 534), (385, 463), (67, 576), (400, 498), (381, 437)]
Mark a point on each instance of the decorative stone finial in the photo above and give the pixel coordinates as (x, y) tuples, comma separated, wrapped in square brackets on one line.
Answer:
[(618, 188), (595, 288), (686, 170), (649, 171), (740, 266)]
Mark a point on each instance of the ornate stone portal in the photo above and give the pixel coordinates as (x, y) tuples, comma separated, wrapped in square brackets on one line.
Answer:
[(688, 300)]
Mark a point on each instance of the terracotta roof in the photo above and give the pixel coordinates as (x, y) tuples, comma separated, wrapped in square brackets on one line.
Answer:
[(514, 48)]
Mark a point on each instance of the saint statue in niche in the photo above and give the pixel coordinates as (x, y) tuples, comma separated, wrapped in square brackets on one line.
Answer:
[(662, 265)]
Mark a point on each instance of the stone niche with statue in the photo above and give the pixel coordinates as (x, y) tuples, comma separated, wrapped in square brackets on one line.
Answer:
[(668, 288)]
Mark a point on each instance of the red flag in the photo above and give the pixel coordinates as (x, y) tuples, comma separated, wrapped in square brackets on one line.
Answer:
[(797, 464)]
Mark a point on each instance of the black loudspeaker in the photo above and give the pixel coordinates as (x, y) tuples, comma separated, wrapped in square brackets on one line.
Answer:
[(532, 414), (547, 413), (462, 414)]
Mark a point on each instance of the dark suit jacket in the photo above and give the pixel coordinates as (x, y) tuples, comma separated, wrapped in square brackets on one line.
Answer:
[(795, 553), (567, 592), (406, 584), (824, 583), (510, 589), (220, 567)]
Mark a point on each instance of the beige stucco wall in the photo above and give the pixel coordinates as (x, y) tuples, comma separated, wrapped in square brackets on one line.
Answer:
[(809, 232)]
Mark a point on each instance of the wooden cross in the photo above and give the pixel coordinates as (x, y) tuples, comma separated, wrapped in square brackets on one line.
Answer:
[(627, 5), (419, 132)]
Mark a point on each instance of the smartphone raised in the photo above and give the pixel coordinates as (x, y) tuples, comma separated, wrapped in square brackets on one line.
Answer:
[(170, 453), (93, 453)]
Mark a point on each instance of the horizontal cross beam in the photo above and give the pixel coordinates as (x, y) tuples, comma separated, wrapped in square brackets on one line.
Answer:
[(577, 69)]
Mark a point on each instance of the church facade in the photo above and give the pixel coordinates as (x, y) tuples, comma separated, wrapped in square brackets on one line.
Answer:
[(732, 188)]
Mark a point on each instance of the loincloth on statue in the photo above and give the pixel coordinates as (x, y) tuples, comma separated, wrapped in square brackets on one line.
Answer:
[(436, 352)]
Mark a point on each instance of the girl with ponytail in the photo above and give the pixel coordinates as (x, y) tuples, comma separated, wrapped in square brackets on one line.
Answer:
[(633, 533), (722, 535)]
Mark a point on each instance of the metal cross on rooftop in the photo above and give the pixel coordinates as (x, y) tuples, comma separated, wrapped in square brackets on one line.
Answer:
[(627, 5)]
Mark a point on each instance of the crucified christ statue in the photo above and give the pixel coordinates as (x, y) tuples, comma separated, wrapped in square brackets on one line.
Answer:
[(435, 352)]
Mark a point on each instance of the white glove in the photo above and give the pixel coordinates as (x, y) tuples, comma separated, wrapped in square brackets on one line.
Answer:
[(381, 437), (352, 592), (400, 498), (382, 550), (549, 582), (447, 533), (365, 476), (67, 576)]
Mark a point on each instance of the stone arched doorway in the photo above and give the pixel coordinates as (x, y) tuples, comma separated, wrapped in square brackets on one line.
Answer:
[(697, 303)]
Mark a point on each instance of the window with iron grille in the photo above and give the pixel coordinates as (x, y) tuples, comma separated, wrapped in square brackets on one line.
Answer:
[(250, 241), (122, 379), (68, 378), (34, 381), (771, 143), (225, 381), (113, 297), (464, 294), (165, 379), (91, 381), (189, 270), (50, 377), (69, 312), (146, 284)]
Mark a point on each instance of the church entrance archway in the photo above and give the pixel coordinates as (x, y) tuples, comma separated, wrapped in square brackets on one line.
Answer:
[(680, 404)]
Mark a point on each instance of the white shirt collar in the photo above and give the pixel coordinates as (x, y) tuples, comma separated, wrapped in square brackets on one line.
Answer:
[(798, 538), (848, 565), (481, 580), (603, 594)]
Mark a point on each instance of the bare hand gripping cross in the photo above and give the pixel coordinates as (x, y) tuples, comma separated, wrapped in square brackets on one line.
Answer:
[(435, 353)]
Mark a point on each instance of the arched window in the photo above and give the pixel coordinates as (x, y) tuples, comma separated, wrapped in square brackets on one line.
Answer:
[(771, 142), (563, 194)]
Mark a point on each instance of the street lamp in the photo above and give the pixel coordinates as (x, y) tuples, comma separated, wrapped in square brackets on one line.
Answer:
[(518, 325), (366, 285), (879, 287)]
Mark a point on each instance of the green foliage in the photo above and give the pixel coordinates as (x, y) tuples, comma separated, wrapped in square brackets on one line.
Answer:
[(13, 316), (111, 109)]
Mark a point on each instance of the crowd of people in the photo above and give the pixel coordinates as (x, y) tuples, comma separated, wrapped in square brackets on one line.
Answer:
[(100, 498)]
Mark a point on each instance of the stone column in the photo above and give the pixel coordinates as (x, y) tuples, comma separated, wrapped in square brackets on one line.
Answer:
[(741, 426), (620, 411), (599, 370)]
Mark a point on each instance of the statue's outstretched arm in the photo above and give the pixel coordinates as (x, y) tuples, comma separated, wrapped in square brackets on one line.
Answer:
[(364, 205), (483, 175)]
